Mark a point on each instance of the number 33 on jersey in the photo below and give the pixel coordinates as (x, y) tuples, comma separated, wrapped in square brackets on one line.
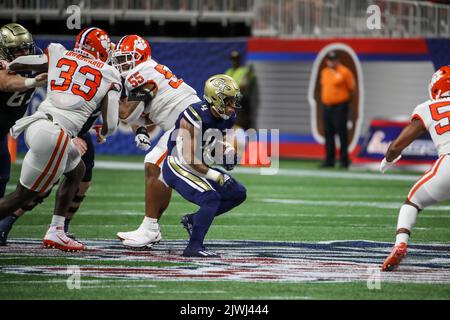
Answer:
[(77, 85), (71, 73)]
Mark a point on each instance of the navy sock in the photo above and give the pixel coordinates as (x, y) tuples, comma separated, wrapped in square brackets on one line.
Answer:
[(202, 221), (7, 222), (66, 225)]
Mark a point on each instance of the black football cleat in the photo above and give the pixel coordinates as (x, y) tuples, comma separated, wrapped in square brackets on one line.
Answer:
[(200, 252), (3, 238), (187, 221), (5, 227)]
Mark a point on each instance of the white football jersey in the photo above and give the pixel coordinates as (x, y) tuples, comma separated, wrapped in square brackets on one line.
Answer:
[(435, 116), (76, 86), (171, 96)]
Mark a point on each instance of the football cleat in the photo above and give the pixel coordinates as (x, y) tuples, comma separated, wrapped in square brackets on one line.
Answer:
[(187, 221), (5, 227), (56, 238), (199, 252), (140, 238), (393, 260)]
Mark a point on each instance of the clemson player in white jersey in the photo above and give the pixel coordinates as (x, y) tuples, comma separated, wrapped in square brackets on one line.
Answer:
[(166, 97), (79, 82), (434, 186)]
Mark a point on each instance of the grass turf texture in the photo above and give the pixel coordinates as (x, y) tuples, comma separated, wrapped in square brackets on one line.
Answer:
[(115, 203)]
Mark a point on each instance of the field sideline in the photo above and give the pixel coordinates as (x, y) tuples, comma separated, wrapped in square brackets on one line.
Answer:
[(302, 234)]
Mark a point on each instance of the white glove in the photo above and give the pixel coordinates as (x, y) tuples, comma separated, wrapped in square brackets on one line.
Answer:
[(385, 165), (223, 179), (142, 141)]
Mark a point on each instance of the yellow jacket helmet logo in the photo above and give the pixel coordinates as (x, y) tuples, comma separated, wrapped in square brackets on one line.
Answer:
[(13, 39), (218, 88)]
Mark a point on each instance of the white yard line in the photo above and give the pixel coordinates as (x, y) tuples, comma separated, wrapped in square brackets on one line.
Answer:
[(119, 165), (379, 205)]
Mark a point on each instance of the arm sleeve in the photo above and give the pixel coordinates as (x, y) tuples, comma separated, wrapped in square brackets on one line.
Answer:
[(113, 112), (31, 63)]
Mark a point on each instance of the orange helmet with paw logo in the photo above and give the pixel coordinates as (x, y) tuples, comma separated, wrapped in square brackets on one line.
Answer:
[(440, 83), (94, 43), (130, 51)]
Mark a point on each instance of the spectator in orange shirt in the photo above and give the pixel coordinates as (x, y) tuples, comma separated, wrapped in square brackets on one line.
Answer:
[(337, 87)]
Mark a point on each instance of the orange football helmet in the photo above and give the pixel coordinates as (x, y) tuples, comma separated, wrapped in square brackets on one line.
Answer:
[(440, 83), (94, 43), (130, 51)]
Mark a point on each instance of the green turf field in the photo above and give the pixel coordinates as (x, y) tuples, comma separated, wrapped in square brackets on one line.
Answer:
[(302, 234)]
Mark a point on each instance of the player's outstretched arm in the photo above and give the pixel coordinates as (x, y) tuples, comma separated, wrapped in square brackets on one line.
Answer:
[(37, 63), (410, 133), (16, 83), (132, 107), (130, 111), (406, 137)]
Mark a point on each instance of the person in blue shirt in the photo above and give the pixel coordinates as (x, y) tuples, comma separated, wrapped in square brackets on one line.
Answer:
[(185, 168)]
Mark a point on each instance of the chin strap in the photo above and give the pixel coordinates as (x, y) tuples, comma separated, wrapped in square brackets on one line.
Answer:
[(222, 115)]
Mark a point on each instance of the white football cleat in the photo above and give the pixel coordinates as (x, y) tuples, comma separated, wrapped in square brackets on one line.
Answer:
[(57, 238), (140, 238)]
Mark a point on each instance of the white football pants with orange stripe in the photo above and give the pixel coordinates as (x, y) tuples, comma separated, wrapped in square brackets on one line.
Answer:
[(159, 152), (433, 186), (51, 153)]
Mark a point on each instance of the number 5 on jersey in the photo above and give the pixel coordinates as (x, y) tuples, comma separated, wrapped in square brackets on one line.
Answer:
[(441, 111), (174, 81), (68, 67)]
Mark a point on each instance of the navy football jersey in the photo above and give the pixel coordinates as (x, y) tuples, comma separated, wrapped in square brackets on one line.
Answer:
[(199, 115), (13, 106)]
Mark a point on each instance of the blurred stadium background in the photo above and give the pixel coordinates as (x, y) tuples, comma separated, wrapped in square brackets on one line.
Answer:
[(283, 40)]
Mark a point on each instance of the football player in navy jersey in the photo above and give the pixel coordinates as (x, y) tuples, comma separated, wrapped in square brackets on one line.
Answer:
[(185, 170), (15, 94)]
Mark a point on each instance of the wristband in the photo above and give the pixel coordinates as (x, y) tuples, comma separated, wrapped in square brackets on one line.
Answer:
[(142, 130), (30, 83)]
